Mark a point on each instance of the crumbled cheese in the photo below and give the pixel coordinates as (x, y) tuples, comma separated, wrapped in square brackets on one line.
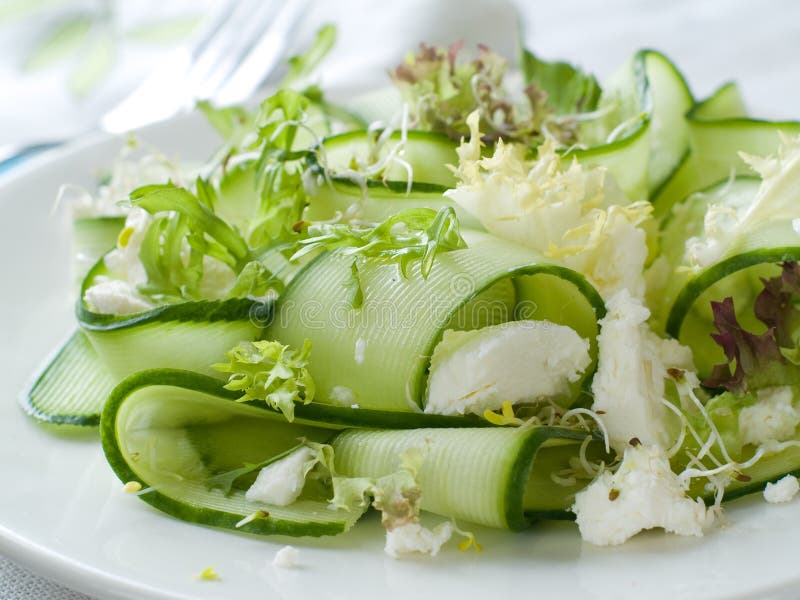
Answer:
[(286, 558), (123, 261), (644, 493), (342, 395), (772, 418), (115, 297), (475, 371), (413, 537), (281, 483), (632, 365), (782, 490)]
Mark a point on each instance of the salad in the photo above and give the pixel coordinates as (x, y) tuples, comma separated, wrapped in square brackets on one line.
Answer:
[(498, 293)]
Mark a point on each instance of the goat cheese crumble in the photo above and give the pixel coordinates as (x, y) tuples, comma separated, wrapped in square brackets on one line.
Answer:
[(632, 366), (475, 371), (115, 297), (286, 558), (281, 483), (644, 493), (772, 418), (413, 537), (783, 490)]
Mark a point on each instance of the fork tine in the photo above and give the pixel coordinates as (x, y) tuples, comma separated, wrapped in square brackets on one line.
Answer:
[(185, 75), (251, 71), (222, 56)]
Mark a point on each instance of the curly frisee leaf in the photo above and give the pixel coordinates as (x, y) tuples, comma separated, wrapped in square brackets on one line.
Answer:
[(271, 372), (412, 234)]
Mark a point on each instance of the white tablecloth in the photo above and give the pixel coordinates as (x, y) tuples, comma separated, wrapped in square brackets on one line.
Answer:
[(711, 40)]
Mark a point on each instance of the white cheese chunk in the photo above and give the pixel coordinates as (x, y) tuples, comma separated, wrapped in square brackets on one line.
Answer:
[(115, 297), (644, 493), (286, 558), (123, 261), (632, 366), (771, 418), (475, 371), (413, 537), (281, 483), (782, 490)]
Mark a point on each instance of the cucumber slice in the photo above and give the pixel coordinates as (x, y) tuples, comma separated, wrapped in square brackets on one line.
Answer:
[(648, 85), (192, 335), (768, 469), (718, 131), (189, 335), (684, 308), (377, 201), (172, 430), (377, 355), (426, 153), (72, 387), (669, 132), (725, 103), (161, 436), (489, 476)]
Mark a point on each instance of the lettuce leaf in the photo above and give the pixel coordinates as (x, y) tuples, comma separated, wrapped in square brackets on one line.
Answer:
[(409, 235), (567, 90), (442, 88), (755, 361), (271, 372)]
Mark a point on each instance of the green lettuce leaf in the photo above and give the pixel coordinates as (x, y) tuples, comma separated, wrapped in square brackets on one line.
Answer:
[(567, 90), (442, 88), (271, 372), (409, 235), (230, 248)]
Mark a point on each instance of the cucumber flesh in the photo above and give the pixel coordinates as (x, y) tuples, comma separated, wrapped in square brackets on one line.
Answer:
[(379, 353), (72, 388), (484, 476), (174, 430), (718, 131), (173, 440), (684, 306)]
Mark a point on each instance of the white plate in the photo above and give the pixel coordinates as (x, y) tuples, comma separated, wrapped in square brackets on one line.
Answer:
[(63, 514)]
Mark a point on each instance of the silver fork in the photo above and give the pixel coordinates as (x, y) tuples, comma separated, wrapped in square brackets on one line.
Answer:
[(242, 46)]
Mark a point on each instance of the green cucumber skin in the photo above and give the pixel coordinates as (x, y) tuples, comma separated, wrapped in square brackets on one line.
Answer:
[(171, 506), (315, 414), (289, 329), (490, 492), (517, 518), (692, 290), (28, 396), (413, 136), (755, 136), (235, 309), (326, 416)]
